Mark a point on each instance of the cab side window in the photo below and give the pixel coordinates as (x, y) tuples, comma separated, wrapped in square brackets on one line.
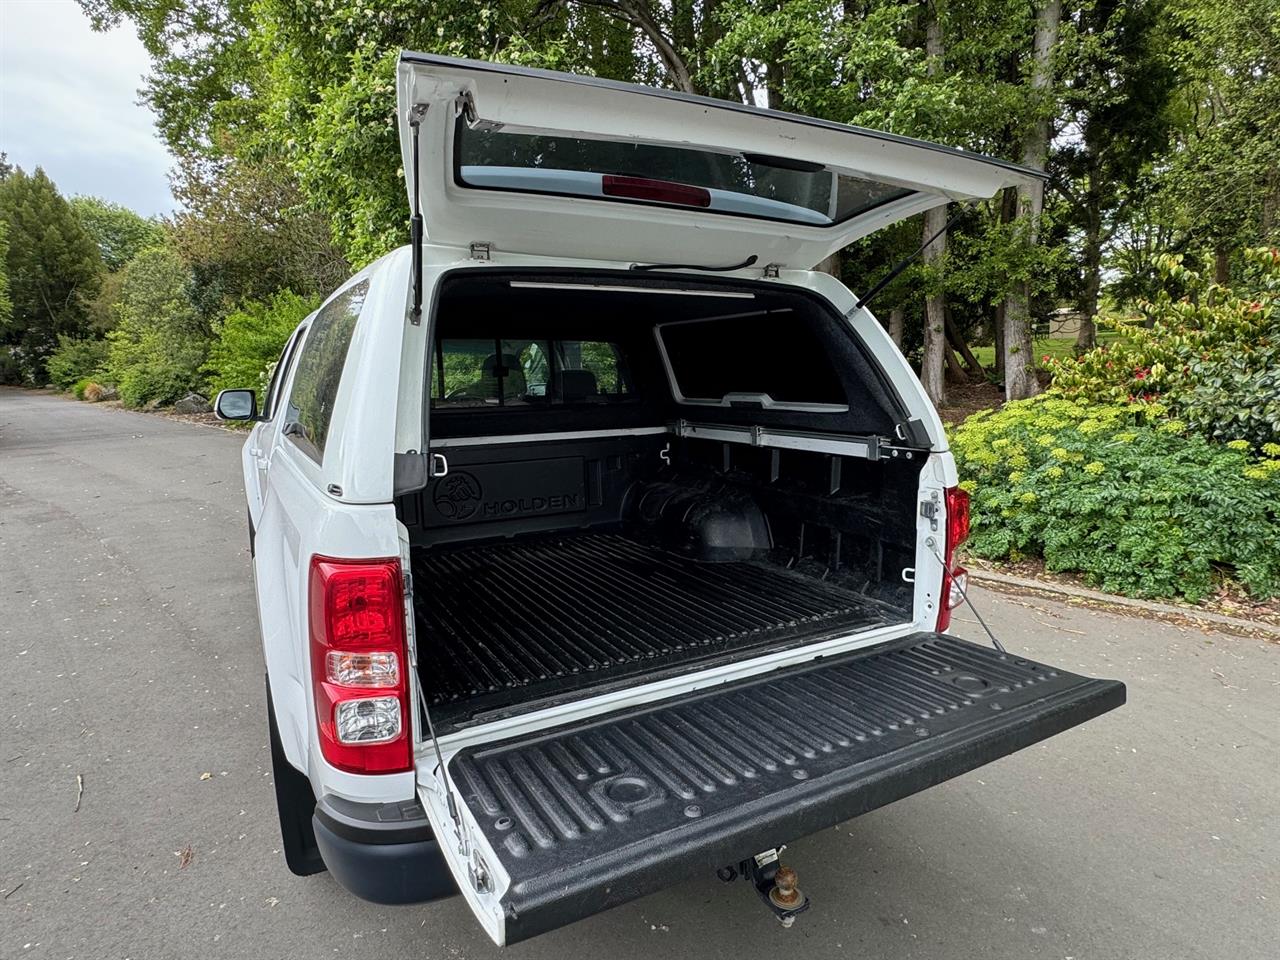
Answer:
[(320, 363)]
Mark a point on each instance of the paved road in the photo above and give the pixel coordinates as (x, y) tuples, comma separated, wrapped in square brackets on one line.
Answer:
[(129, 656)]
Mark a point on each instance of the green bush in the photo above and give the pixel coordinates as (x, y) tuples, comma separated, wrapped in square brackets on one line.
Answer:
[(1211, 358), (248, 342), (75, 359), (160, 342), (78, 388), (1114, 492)]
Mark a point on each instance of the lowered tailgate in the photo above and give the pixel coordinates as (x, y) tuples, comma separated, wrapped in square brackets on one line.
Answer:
[(573, 821)]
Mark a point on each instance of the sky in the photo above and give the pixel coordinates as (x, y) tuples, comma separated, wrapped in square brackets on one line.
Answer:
[(69, 103)]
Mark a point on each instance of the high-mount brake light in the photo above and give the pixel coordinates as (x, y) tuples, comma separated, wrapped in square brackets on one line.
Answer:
[(955, 580), (657, 191), (357, 664)]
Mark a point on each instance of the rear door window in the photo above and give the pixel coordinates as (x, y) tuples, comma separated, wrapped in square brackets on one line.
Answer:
[(320, 363), (754, 359)]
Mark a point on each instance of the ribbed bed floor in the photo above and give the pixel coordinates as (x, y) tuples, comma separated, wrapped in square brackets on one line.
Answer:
[(554, 614)]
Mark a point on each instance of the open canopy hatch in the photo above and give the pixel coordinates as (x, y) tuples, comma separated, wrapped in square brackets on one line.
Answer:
[(534, 161)]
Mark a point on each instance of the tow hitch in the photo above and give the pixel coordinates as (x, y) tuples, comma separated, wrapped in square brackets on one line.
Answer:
[(775, 884)]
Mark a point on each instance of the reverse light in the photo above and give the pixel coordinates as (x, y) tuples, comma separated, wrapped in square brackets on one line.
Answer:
[(955, 580), (369, 720), (357, 652), (657, 191)]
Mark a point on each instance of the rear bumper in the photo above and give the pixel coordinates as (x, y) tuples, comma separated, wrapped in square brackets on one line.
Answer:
[(384, 853)]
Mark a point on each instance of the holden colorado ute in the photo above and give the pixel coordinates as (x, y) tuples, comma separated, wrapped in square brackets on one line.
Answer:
[(598, 540)]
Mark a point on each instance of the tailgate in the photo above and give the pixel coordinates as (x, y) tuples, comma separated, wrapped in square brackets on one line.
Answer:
[(580, 819)]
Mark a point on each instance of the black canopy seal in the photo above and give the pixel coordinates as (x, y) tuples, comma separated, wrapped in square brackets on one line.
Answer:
[(416, 113)]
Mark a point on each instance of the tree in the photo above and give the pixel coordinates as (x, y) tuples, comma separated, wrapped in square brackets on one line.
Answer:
[(53, 271), (118, 232), (1221, 182), (6, 304), (1122, 73), (1019, 365), (935, 237), (160, 340), (246, 231)]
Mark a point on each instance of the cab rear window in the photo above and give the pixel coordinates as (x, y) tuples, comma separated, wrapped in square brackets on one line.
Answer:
[(769, 188), (513, 373)]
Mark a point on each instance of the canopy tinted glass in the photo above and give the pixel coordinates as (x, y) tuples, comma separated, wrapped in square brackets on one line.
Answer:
[(775, 188)]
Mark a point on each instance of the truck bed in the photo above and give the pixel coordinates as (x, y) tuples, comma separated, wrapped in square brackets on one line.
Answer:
[(537, 618)]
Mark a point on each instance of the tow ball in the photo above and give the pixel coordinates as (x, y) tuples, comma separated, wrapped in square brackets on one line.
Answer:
[(776, 884)]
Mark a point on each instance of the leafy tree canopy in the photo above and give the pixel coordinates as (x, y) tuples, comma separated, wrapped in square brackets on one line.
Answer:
[(119, 232), (53, 270)]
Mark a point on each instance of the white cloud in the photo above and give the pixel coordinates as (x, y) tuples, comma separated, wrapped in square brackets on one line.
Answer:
[(69, 103)]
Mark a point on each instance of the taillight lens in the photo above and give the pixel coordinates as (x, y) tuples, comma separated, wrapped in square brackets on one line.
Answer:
[(956, 502), (358, 664)]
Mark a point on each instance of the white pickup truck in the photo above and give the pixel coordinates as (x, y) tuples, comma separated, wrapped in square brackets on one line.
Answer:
[(597, 540)]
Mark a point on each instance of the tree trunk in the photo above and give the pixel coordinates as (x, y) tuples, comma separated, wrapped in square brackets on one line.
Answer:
[(1008, 213), (1087, 335), (897, 323), (957, 341), (1221, 265), (933, 360), (1019, 364), (997, 328), (954, 372)]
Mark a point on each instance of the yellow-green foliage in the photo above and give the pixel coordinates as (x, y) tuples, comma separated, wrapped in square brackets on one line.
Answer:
[(1122, 494)]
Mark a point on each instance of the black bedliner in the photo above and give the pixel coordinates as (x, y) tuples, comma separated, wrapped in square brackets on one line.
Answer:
[(552, 614), (590, 816)]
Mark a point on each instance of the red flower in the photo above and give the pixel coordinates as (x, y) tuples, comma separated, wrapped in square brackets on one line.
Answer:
[(1255, 307), (1045, 358), (1140, 373)]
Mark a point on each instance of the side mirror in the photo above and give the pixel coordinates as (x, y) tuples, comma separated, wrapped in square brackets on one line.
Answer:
[(236, 405)]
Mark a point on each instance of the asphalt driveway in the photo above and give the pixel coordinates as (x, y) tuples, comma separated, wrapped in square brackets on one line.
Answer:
[(137, 818)]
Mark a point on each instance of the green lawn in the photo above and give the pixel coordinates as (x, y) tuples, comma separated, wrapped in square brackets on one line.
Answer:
[(1056, 348)]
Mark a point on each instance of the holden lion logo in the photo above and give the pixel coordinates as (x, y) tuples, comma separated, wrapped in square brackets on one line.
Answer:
[(457, 496)]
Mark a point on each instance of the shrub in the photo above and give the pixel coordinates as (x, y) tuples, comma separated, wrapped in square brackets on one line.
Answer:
[(75, 359), (1212, 358), (1117, 493), (81, 387), (248, 342), (160, 341)]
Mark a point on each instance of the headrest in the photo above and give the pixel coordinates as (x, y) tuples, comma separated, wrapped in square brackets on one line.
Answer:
[(576, 384)]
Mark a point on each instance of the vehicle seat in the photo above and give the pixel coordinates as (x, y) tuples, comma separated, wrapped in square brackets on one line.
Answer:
[(574, 385)]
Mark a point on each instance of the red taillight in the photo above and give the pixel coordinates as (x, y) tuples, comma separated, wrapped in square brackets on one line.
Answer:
[(358, 664), (657, 191), (956, 502)]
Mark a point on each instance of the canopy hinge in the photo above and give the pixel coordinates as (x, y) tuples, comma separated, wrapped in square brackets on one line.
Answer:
[(772, 270), (481, 250)]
